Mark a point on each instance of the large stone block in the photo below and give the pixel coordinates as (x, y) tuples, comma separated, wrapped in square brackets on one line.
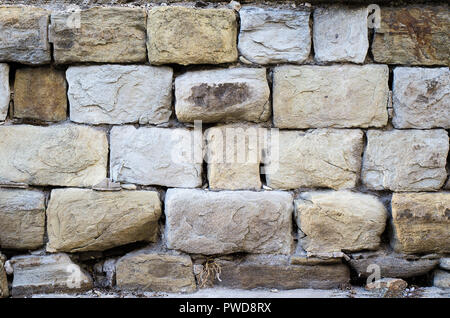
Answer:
[(99, 34), (415, 35), (340, 34), (156, 156), (86, 220), (119, 94), (421, 97), (22, 219), (421, 222), (225, 222), (191, 36), (405, 160), (335, 221), (324, 158), (4, 91), (40, 93), (223, 95), (23, 36), (260, 41), (308, 96), (66, 155)]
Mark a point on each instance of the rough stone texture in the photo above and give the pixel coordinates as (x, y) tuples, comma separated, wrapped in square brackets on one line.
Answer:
[(66, 155), (421, 222), (441, 279), (85, 220), (445, 263), (408, 160), (336, 221), (191, 36), (40, 93), (4, 91), (223, 95), (22, 219), (156, 156), (421, 97), (340, 34), (4, 291), (47, 274), (155, 271), (328, 158), (234, 156), (308, 97), (119, 94), (23, 38), (227, 222), (389, 287), (260, 41), (104, 35), (413, 35)]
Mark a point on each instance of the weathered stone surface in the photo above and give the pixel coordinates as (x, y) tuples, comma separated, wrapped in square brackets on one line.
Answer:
[(99, 34), (445, 263), (4, 91), (336, 221), (47, 274), (389, 287), (105, 273), (308, 97), (66, 155), (226, 222), (301, 257), (340, 34), (191, 36), (155, 271), (223, 95), (85, 220), (421, 97), (4, 291), (260, 41), (24, 35), (441, 279), (328, 158), (22, 219), (405, 160), (416, 35), (421, 222), (156, 156), (119, 94), (40, 93)]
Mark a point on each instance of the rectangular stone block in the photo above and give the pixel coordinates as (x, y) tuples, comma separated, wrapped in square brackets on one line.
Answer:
[(260, 41), (421, 222), (405, 160), (99, 34), (80, 220), (414, 35), (341, 96), (191, 36), (120, 94), (204, 222), (40, 93), (223, 95), (23, 36), (421, 97), (65, 155), (4, 91), (22, 219), (320, 158), (156, 156)]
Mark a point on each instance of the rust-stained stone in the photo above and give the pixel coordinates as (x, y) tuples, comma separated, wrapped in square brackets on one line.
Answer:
[(40, 93), (416, 35)]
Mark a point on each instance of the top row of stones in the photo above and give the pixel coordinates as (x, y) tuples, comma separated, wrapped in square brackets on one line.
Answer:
[(181, 35)]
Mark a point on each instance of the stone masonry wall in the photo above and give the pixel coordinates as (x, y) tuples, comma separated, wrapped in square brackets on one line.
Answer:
[(156, 147)]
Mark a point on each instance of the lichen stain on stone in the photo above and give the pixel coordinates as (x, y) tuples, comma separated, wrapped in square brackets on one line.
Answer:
[(219, 95)]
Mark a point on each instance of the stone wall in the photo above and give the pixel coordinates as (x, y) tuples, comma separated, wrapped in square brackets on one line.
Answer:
[(172, 147)]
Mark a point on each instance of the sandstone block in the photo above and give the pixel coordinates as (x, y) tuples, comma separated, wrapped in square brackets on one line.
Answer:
[(66, 155), (4, 91), (308, 97), (223, 95), (119, 94), (4, 291), (99, 34), (227, 222), (191, 36), (156, 156), (85, 220), (405, 160), (441, 279)]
